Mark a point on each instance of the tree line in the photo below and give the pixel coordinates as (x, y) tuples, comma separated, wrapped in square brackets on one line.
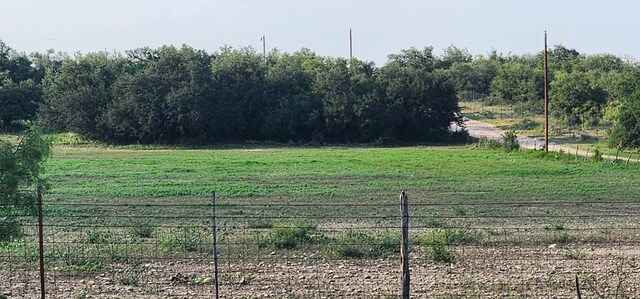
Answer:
[(184, 95)]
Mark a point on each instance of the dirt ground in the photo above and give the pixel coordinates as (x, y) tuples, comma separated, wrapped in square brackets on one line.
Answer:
[(477, 272)]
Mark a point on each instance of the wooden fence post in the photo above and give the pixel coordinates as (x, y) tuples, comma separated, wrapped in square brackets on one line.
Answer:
[(404, 247), (586, 157)]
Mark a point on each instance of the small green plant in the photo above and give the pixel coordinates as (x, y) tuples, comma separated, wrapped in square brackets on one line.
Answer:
[(485, 142), (354, 244), (69, 139), (185, 239), (79, 257), (438, 244), (458, 210), (259, 224), (11, 229), (441, 254), (244, 280), (597, 156), (561, 237), (573, 254), (558, 225), (128, 278), (192, 279), (510, 141), (432, 222), (140, 230), (121, 253), (98, 237), (287, 237)]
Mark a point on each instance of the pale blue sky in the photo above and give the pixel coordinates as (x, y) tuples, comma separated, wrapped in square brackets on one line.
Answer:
[(379, 27)]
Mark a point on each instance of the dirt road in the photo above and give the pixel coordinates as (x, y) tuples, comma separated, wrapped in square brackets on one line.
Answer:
[(478, 129)]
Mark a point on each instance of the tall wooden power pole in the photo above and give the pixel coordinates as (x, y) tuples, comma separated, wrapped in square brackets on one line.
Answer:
[(546, 97), (264, 46), (350, 45)]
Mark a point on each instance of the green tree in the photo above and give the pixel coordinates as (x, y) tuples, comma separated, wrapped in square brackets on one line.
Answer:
[(18, 102), (419, 99), (20, 93), (472, 80), (626, 130), (564, 59), (238, 86), (517, 80), (21, 167), (624, 112), (163, 98), (78, 94), (454, 55), (576, 99), (295, 112), (15, 66)]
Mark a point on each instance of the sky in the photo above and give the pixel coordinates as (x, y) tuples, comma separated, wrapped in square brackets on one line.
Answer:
[(380, 27)]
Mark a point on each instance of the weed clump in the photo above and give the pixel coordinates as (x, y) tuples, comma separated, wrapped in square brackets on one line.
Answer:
[(510, 139), (186, 239), (354, 244), (99, 237), (597, 155), (140, 230), (288, 237), (485, 142), (439, 243)]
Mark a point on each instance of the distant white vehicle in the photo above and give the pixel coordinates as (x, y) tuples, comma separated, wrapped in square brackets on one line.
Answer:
[(460, 117)]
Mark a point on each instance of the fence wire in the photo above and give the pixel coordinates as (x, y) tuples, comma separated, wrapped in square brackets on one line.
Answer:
[(291, 248)]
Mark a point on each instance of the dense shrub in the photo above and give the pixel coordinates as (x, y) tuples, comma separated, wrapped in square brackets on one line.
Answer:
[(510, 141), (178, 95), (20, 168)]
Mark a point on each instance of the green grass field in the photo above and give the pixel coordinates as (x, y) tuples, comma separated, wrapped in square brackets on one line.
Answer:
[(332, 174), (459, 186), (111, 209)]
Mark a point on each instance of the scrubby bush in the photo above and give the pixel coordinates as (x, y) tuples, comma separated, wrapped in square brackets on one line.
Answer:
[(288, 236), (185, 239), (20, 168), (510, 141), (354, 244)]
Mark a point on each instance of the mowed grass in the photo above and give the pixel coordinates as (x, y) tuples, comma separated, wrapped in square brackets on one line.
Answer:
[(333, 174)]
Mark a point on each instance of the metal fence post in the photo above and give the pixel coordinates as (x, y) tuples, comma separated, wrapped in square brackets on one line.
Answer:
[(214, 233), (404, 247), (41, 241)]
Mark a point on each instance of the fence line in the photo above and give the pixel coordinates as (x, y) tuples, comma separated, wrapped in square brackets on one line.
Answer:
[(289, 249)]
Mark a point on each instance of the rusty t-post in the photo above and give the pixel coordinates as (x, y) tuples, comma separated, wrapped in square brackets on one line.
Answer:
[(41, 241), (404, 246), (214, 236)]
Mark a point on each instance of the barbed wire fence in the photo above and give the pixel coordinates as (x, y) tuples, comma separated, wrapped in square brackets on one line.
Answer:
[(284, 247)]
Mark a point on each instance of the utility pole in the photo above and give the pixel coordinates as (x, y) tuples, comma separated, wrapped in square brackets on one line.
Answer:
[(350, 45), (546, 96), (264, 46)]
